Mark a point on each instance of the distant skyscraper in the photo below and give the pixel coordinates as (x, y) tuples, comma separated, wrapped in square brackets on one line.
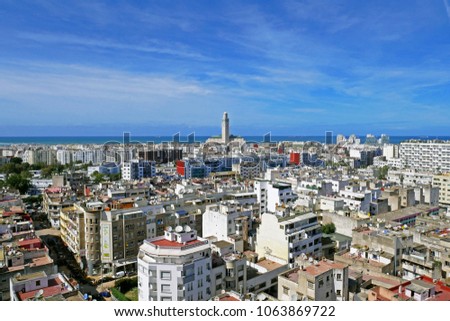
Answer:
[(328, 138), (225, 128)]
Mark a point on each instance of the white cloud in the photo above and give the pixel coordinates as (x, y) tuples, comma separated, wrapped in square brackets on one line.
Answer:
[(310, 110), (447, 7), (152, 46)]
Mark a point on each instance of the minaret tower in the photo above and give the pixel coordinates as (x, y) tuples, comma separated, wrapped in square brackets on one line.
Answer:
[(225, 129)]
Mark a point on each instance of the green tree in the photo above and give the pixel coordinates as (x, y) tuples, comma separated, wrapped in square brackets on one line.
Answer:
[(97, 177), (19, 182), (114, 177), (16, 160), (383, 172), (329, 228)]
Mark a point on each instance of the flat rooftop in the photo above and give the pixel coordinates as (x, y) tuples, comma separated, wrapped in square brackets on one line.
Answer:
[(167, 243), (269, 265), (55, 287), (322, 267)]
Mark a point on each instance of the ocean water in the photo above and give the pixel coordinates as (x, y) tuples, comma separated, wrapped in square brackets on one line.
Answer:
[(62, 140)]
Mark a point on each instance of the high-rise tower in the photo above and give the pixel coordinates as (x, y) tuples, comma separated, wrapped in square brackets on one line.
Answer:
[(225, 128)]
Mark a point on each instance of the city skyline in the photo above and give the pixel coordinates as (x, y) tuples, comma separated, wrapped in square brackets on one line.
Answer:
[(291, 68)]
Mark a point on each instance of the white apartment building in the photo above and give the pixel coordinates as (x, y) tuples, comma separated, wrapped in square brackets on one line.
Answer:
[(409, 177), (330, 204), (228, 218), (270, 195), (390, 151), (426, 156), (337, 184), (137, 169), (247, 170), (175, 267), (356, 201), (284, 238), (64, 156)]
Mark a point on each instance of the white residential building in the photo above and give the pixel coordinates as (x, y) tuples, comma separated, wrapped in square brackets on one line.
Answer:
[(64, 156), (228, 218), (330, 204), (426, 155), (284, 238), (247, 170), (409, 177), (137, 169), (175, 267), (356, 201), (390, 151), (270, 195)]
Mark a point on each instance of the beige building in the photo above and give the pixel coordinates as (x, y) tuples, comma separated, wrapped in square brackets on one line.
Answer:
[(314, 281), (72, 229), (92, 216), (122, 232), (443, 182), (53, 200)]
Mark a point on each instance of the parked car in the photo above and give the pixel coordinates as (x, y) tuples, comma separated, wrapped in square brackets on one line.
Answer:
[(119, 274)]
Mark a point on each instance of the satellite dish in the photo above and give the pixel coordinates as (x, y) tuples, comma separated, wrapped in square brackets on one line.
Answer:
[(169, 229), (179, 229), (187, 228), (39, 294)]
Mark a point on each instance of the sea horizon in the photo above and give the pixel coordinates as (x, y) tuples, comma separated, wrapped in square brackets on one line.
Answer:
[(85, 140)]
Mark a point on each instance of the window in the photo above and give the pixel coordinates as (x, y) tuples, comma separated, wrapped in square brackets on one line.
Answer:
[(166, 275), (285, 290), (218, 276), (165, 288), (200, 270), (339, 276), (310, 285), (320, 283), (338, 292), (38, 283), (166, 298), (327, 295)]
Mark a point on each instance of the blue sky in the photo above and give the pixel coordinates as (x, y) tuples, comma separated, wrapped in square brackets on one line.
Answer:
[(289, 67)]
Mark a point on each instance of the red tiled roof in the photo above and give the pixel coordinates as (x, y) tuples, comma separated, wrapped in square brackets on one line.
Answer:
[(53, 190), (31, 243), (322, 267), (54, 287), (167, 243)]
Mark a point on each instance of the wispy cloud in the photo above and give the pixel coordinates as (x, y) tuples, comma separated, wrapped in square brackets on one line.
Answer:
[(92, 82), (447, 7), (152, 46), (310, 110)]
